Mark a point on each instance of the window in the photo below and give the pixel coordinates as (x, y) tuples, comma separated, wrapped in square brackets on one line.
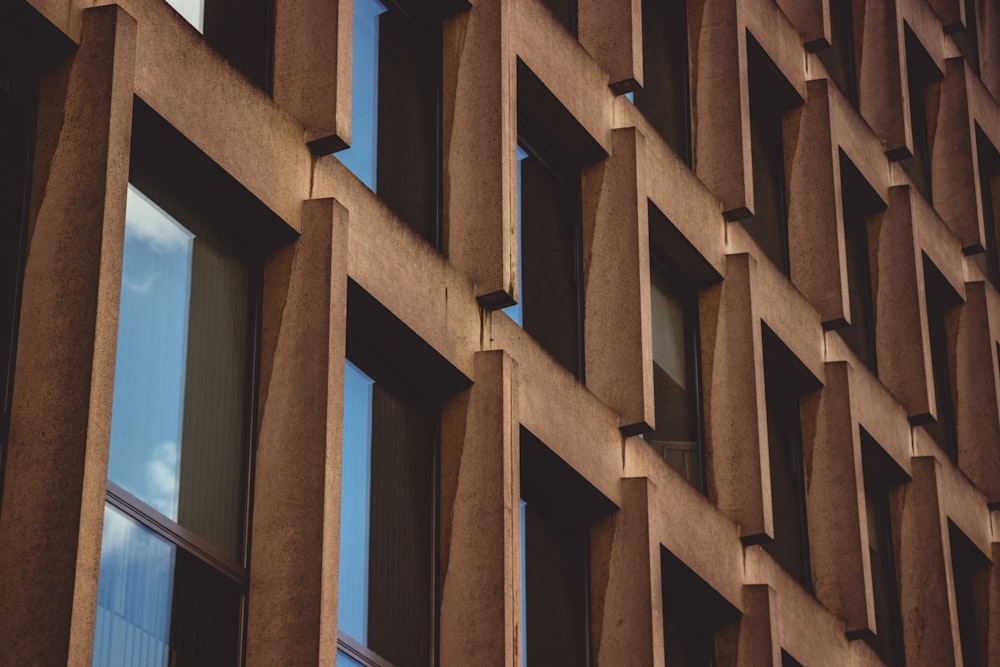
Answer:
[(558, 506), (970, 570), (785, 380), (16, 131), (387, 510), (880, 478), (664, 98), (173, 579), (549, 248), (839, 57), (771, 96), (989, 194), (693, 613), (860, 203), (942, 318), (922, 76), (788, 661), (968, 38), (676, 375), (395, 116), (241, 31)]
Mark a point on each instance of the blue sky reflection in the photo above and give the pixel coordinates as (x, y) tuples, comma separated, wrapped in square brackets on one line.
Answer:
[(147, 410), (360, 157)]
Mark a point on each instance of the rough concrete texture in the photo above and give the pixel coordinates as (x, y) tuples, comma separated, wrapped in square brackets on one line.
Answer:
[(53, 504), (293, 582), (54, 486)]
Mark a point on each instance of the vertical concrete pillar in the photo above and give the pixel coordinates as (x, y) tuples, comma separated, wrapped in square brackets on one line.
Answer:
[(754, 641), (479, 139), (616, 263), (882, 77), (312, 68), (977, 415), (815, 209), (480, 559), (838, 545), (926, 593), (612, 33), (732, 367), (625, 582), (53, 505), (900, 308), (954, 170), (296, 518), (720, 117)]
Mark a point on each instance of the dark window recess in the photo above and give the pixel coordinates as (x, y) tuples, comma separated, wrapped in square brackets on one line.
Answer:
[(881, 475), (942, 321), (789, 661), (396, 110), (693, 613), (565, 12), (17, 100), (771, 96), (559, 506), (552, 285), (664, 98), (989, 192), (676, 374), (970, 569), (839, 59), (968, 39), (243, 32), (785, 381), (922, 77), (860, 204)]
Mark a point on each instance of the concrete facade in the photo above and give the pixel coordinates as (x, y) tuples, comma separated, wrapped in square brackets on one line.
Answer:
[(103, 70)]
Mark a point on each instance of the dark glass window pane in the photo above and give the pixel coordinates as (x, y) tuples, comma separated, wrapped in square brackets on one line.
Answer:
[(675, 382), (550, 253), (941, 314), (179, 412), (555, 589), (663, 98), (839, 58), (859, 202), (158, 605), (989, 193), (920, 74), (15, 137), (970, 569), (241, 30), (888, 624), (387, 558), (770, 97)]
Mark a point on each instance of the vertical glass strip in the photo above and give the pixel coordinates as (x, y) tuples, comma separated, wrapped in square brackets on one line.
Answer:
[(360, 157), (355, 504), (515, 311)]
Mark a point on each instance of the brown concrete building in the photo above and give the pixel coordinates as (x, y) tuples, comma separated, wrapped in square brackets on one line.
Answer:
[(500, 332)]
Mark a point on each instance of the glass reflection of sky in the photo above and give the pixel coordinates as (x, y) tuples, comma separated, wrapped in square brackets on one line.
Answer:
[(515, 311), (360, 157), (147, 409), (192, 10), (133, 598), (354, 505)]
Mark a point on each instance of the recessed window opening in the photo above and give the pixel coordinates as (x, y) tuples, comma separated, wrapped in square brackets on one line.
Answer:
[(786, 380), (17, 103), (558, 508), (922, 77), (942, 322), (970, 571), (989, 193), (396, 110), (860, 205), (566, 13), (839, 58), (664, 98), (771, 97)]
